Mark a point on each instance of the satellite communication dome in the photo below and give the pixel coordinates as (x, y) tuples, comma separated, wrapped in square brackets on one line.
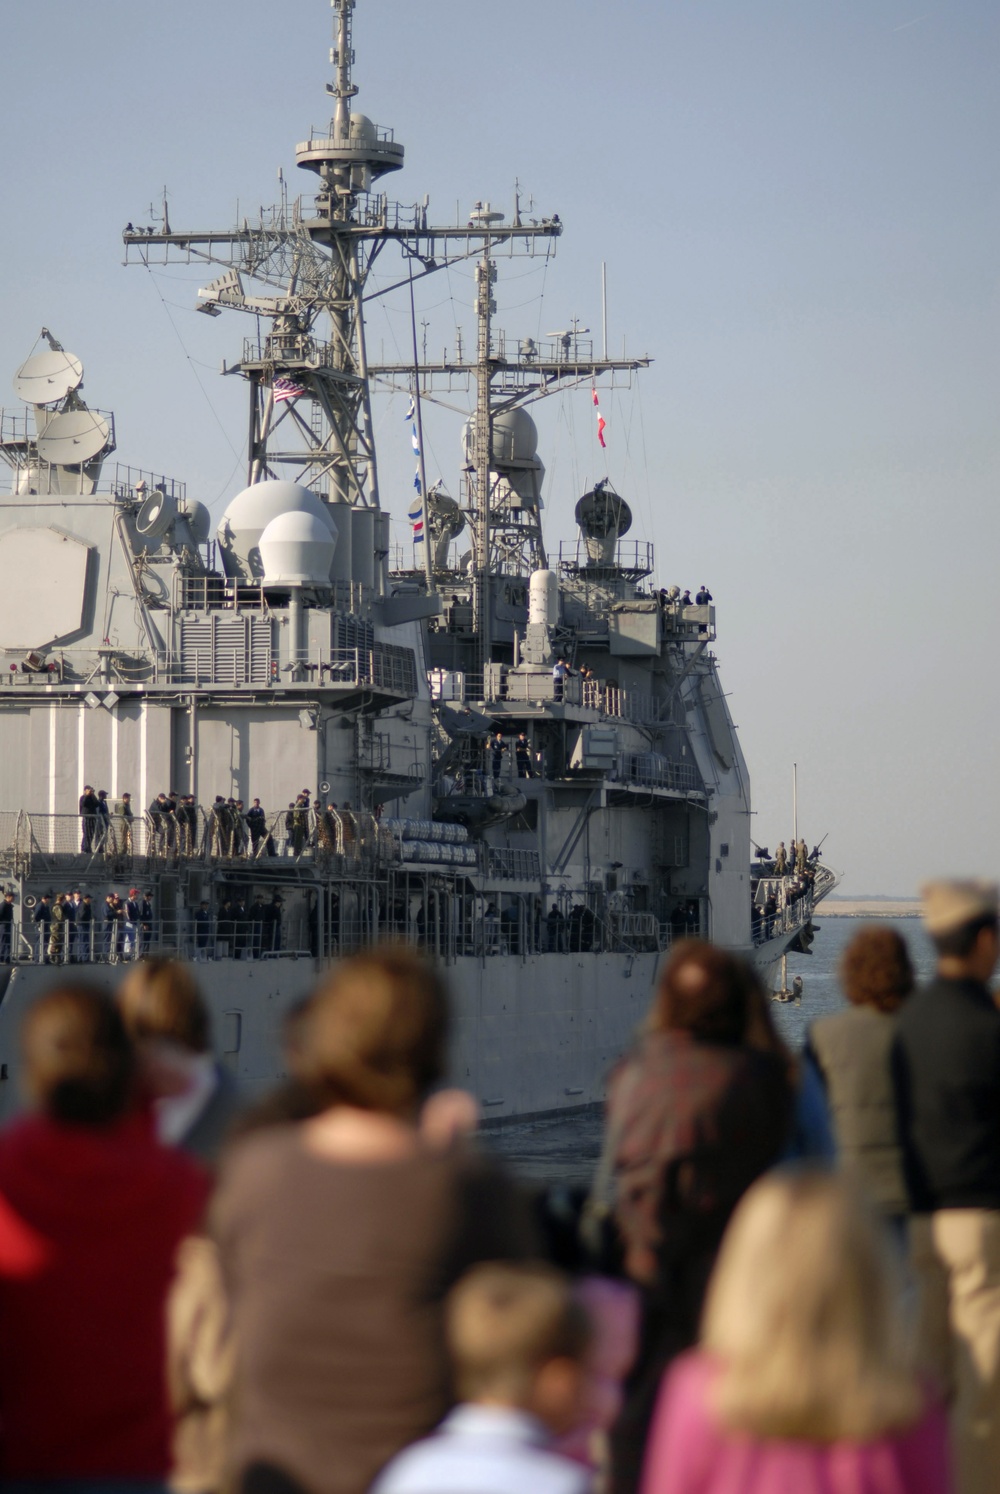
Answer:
[(362, 129), (73, 437), (296, 549), (45, 378), (249, 514), (515, 437)]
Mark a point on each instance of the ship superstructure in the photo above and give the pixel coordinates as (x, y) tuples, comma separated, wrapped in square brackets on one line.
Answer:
[(520, 758)]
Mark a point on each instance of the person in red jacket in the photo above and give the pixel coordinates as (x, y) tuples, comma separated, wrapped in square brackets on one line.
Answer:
[(101, 1207)]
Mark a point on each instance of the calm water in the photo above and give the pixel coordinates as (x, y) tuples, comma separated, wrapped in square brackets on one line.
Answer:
[(565, 1151)]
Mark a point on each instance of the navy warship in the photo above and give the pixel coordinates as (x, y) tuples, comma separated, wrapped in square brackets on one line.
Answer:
[(269, 742)]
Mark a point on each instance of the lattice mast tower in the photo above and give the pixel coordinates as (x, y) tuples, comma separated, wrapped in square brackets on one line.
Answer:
[(303, 269)]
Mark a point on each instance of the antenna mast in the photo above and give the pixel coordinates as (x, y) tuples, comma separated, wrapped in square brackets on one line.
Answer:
[(486, 275)]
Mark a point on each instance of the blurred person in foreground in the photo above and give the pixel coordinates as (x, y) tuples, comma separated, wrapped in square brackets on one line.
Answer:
[(851, 1050), (195, 1102), (518, 1344), (803, 1380), (695, 1114), (946, 1070), (82, 1373), (341, 1235), (195, 1098)]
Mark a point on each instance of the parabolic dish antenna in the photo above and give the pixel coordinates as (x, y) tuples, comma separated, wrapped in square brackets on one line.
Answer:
[(74, 436), (47, 377), (601, 512)]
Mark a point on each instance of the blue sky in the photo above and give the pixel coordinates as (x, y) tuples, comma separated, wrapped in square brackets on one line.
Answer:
[(798, 207)]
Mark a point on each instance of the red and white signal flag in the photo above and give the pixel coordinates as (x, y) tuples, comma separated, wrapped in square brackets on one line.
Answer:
[(601, 422)]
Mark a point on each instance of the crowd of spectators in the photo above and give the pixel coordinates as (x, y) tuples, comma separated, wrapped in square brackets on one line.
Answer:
[(334, 1288)]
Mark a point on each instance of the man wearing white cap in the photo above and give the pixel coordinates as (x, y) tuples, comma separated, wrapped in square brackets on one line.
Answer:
[(946, 1071)]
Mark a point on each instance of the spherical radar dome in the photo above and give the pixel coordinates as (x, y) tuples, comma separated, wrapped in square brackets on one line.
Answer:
[(296, 549), (249, 514), (515, 437)]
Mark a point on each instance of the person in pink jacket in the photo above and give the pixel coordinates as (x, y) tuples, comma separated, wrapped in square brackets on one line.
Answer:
[(802, 1383)]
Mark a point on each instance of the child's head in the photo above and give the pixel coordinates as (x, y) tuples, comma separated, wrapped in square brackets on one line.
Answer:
[(518, 1338)]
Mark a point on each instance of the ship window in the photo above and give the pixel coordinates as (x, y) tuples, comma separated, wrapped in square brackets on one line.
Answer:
[(724, 849)]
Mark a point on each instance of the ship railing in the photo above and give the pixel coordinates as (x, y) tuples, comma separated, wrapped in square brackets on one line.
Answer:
[(344, 840), (652, 770), (77, 842), (509, 863), (448, 921), (624, 705), (791, 914), (688, 622), (15, 428), (459, 686), (104, 941), (467, 781), (211, 591), (383, 666), (137, 483), (489, 781), (596, 695), (288, 347), (542, 687), (634, 558), (120, 846), (10, 834), (641, 930), (375, 756)]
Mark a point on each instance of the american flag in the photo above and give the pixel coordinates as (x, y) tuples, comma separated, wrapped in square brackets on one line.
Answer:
[(283, 389)]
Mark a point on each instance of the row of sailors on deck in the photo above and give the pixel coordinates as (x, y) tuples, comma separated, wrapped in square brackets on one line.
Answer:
[(798, 857), (673, 596), (230, 828), (68, 927)]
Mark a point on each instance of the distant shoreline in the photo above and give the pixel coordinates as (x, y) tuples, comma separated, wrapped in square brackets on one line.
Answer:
[(868, 908)]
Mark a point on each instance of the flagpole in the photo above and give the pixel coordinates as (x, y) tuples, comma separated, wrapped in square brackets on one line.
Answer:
[(428, 564), (604, 304)]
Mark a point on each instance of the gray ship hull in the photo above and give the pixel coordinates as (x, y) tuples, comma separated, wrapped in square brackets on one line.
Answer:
[(533, 1035)]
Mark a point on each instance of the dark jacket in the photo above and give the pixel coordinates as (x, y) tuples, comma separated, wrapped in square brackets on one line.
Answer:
[(696, 1123), (946, 1073), (693, 1124)]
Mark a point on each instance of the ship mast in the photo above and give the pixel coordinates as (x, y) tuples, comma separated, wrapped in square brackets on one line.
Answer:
[(486, 274), (312, 260)]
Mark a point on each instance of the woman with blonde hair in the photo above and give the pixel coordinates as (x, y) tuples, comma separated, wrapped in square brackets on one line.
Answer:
[(341, 1235), (804, 1379)]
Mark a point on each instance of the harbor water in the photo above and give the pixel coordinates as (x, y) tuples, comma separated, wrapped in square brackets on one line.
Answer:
[(566, 1150)]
